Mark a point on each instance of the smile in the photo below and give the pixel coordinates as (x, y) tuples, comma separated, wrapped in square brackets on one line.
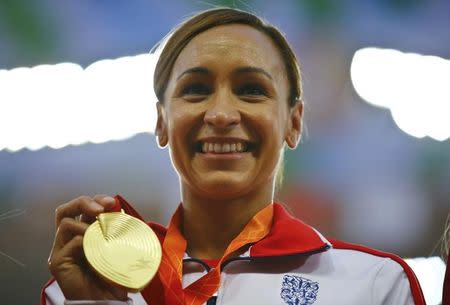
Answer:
[(224, 146), (220, 148)]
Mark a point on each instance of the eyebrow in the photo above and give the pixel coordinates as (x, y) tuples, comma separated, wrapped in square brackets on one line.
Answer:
[(195, 70), (240, 70)]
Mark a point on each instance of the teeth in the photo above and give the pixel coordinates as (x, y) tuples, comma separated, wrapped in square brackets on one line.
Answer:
[(218, 148), (226, 148), (239, 146)]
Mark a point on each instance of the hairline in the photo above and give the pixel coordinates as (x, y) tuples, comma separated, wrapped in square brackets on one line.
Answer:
[(270, 31)]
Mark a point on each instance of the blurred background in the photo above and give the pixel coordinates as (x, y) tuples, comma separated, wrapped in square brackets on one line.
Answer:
[(373, 166)]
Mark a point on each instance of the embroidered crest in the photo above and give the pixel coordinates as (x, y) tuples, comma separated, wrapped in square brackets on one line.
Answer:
[(297, 290)]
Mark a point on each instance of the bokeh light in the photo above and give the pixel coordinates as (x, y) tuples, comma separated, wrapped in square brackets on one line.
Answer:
[(413, 87), (63, 104)]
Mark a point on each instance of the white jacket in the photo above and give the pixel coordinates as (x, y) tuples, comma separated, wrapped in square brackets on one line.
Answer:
[(292, 265)]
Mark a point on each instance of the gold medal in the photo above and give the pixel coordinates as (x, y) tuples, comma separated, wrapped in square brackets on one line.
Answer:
[(123, 250)]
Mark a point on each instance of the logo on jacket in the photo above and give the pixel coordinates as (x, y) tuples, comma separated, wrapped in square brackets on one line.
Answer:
[(297, 290)]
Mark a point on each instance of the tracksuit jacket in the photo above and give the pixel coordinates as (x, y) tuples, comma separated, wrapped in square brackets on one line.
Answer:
[(293, 265)]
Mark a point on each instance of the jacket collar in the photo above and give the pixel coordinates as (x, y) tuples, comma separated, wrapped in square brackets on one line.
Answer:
[(288, 235)]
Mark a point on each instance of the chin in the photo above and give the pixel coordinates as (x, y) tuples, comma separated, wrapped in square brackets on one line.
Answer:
[(223, 189)]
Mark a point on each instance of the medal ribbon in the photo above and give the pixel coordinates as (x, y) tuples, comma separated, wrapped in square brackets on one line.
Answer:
[(173, 249)]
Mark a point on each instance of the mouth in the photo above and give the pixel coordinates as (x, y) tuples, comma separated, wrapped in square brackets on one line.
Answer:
[(224, 146)]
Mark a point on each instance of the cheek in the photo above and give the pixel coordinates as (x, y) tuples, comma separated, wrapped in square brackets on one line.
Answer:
[(178, 141), (183, 123), (271, 124), (179, 124), (180, 119)]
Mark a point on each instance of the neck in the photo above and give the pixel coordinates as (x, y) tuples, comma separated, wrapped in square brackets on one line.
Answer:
[(209, 225)]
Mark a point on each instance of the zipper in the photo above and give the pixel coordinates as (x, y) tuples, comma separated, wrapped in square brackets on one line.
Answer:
[(212, 300)]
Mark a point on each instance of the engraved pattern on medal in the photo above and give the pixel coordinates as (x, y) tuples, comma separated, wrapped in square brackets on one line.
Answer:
[(123, 249), (140, 264)]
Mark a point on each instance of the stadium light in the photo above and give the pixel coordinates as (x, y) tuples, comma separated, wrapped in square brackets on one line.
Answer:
[(62, 104), (413, 87)]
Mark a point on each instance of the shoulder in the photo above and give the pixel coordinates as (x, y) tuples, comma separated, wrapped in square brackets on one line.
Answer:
[(365, 255), (392, 277)]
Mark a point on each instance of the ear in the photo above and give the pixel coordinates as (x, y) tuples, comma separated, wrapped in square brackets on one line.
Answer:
[(294, 128), (161, 126)]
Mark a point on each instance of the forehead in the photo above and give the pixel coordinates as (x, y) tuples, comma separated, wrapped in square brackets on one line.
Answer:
[(228, 46)]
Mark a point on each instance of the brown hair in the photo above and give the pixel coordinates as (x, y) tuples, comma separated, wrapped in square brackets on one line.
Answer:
[(182, 35)]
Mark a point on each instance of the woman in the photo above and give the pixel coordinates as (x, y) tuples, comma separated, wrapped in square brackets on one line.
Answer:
[(229, 93)]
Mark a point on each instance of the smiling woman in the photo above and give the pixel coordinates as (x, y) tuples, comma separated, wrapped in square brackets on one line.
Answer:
[(229, 93)]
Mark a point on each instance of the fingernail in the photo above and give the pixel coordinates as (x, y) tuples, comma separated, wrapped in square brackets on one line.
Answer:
[(96, 206), (108, 200)]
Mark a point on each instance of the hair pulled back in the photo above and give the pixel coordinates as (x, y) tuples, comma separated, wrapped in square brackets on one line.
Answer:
[(179, 37)]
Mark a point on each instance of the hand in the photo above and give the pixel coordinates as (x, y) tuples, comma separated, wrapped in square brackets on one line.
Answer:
[(67, 262)]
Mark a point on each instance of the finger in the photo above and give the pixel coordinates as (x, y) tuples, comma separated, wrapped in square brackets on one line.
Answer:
[(68, 228), (76, 207), (106, 201), (72, 251), (74, 248)]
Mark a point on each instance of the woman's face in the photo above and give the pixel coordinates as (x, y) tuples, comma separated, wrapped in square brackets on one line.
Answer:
[(225, 114)]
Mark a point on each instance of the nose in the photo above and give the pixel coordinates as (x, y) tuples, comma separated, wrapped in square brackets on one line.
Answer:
[(222, 112)]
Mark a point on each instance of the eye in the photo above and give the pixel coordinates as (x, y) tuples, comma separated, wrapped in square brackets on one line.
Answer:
[(252, 90), (196, 89)]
